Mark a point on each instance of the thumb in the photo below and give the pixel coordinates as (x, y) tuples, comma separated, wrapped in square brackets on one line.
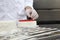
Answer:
[(28, 14)]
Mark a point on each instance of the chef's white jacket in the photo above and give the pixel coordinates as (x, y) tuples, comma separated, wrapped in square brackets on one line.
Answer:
[(14, 9)]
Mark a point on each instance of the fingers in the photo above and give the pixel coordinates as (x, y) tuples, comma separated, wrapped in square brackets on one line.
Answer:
[(34, 15)]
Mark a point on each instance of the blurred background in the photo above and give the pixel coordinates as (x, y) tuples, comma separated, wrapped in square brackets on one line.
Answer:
[(49, 13)]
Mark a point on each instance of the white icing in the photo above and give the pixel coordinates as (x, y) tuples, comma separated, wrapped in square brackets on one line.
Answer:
[(31, 24)]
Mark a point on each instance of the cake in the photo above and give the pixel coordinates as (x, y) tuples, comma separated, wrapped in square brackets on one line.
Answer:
[(27, 23)]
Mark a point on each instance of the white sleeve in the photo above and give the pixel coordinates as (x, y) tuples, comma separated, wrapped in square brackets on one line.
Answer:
[(29, 3)]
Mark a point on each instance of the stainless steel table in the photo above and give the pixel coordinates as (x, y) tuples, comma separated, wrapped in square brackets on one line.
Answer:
[(44, 33)]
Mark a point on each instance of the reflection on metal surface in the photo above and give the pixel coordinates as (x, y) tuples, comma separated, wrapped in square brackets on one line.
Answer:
[(32, 33)]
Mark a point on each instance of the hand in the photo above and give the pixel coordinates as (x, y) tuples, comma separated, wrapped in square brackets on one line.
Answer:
[(34, 14), (31, 13)]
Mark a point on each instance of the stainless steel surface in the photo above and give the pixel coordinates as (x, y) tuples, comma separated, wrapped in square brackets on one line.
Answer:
[(33, 33), (47, 4), (50, 9), (44, 34)]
